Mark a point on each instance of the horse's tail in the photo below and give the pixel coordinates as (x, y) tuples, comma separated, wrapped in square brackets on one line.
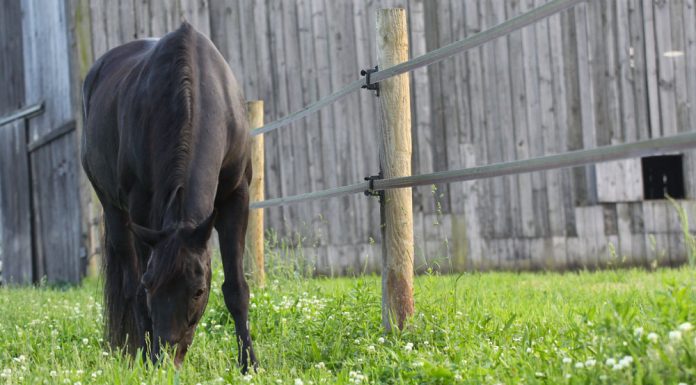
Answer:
[(119, 297)]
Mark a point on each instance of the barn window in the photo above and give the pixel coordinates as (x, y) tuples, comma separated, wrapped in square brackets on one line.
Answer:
[(663, 175)]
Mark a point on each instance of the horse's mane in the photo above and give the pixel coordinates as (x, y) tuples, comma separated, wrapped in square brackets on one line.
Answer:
[(172, 133), (174, 60)]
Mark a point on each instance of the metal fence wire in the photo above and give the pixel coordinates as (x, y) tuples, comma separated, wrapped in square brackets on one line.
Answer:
[(569, 159)]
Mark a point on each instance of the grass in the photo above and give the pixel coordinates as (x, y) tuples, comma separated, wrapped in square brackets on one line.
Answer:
[(475, 328)]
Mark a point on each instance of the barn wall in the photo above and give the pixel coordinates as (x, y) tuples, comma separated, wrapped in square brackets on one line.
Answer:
[(15, 233), (593, 76), (40, 208), (56, 209)]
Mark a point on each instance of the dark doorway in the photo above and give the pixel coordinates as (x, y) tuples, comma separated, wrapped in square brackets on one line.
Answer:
[(663, 175)]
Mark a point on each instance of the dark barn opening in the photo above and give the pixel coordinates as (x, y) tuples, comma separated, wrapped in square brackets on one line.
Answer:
[(663, 175)]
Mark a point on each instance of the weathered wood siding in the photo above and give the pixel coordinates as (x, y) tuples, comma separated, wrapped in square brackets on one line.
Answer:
[(592, 76), (40, 208), (55, 165), (15, 228)]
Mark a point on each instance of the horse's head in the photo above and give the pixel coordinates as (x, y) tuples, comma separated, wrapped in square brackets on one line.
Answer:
[(176, 283)]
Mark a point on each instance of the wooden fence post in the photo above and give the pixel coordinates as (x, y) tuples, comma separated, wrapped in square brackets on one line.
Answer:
[(256, 194), (395, 159)]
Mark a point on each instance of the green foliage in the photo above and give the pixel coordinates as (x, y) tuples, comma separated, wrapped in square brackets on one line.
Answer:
[(689, 239), (614, 327)]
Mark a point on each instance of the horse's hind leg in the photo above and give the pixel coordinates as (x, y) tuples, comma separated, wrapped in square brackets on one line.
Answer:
[(120, 281), (231, 224)]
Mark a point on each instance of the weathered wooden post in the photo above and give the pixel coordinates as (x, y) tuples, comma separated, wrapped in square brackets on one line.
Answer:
[(395, 159), (256, 194)]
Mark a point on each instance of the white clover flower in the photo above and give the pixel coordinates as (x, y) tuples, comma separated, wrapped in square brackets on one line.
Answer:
[(638, 331), (567, 375), (675, 335), (380, 340), (357, 341), (371, 348), (298, 381), (567, 360), (686, 326), (617, 367), (357, 377), (590, 362), (529, 350), (610, 362), (105, 354), (625, 362), (53, 373), (653, 337), (85, 341), (408, 347), (247, 377), (458, 377), (579, 365)]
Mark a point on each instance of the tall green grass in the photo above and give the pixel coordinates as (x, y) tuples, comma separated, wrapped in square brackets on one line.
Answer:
[(613, 327), (689, 239)]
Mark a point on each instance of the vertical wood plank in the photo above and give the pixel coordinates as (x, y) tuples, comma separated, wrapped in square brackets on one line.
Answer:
[(548, 129), (521, 135), (534, 113), (363, 24), (318, 230), (15, 205), (665, 68), (330, 168)]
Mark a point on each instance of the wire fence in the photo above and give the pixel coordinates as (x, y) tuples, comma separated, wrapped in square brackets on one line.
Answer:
[(569, 159), (500, 30)]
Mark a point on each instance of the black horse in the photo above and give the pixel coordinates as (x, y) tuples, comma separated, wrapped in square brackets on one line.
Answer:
[(166, 147)]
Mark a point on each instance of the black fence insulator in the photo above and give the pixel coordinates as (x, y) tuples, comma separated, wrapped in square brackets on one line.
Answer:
[(370, 86), (371, 192)]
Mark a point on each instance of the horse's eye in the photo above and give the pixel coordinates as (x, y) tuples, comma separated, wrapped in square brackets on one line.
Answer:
[(198, 294)]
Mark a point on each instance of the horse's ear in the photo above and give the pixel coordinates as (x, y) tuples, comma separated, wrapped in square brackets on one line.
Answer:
[(201, 234), (147, 236)]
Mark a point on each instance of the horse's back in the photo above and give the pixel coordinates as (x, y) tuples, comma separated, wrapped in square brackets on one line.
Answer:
[(139, 99), (100, 97)]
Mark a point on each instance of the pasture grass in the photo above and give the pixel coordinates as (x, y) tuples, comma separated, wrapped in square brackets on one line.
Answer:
[(611, 327)]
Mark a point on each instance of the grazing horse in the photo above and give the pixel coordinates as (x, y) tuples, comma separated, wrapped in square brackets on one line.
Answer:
[(166, 147)]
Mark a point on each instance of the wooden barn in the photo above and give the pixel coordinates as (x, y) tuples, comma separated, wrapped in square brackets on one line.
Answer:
[(602, 73)]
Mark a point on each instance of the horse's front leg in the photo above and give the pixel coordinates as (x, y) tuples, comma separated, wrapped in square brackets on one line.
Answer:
[(231, 225), (144, 323)]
